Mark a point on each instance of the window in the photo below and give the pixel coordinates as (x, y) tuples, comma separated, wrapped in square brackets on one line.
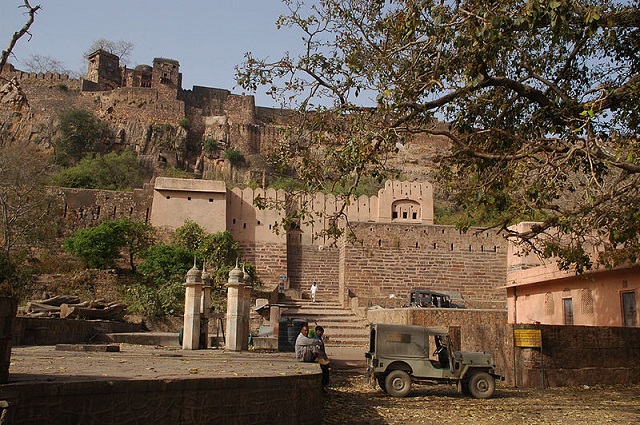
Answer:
[(567, 309), (629, 311)]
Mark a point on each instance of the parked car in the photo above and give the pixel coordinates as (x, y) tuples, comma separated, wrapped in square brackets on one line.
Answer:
[(399, 355), (428, 298)]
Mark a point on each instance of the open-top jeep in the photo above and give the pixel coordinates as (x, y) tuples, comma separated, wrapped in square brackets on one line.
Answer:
[(399, 354)]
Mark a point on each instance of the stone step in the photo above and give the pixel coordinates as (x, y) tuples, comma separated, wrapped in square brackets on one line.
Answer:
[(350, 342), (167, 339)]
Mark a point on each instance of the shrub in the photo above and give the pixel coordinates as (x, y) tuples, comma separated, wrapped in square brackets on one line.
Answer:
[(97, 247), (210, 146), (166, 299), (110, 172), (184, 123), (234, 156), (81, 132)]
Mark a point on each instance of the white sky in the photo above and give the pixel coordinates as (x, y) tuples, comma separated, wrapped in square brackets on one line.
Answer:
[(207, 37)]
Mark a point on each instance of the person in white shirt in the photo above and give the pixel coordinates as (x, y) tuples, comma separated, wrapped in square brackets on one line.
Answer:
[(314, 290)]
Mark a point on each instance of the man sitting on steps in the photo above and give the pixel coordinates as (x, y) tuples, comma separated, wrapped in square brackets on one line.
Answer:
[(312, 350)]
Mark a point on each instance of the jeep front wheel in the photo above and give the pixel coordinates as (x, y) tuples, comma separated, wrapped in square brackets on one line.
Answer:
[(398, 383), (482, 385)]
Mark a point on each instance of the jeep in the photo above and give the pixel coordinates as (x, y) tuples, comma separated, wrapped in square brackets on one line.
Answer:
[(399, 355)]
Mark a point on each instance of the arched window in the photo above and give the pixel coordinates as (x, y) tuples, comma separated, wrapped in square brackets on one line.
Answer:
[(406, 210)]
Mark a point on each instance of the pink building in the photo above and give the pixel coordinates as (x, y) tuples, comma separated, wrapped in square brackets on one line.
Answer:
[(538, 292)]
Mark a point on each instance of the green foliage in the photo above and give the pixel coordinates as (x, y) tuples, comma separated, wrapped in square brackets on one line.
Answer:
[(189, 236), (234, 156), (81, 132), (165, 263), (110, 172), (176, 173), (210, 146), (164, 268), (139, 236), (97, 247), (219, 252), (166, 299), (184, 123)]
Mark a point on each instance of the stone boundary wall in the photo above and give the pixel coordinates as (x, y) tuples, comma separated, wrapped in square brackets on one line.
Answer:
[(392, 259), (51, 331), (580, 355), (251, 400), (82, 208)]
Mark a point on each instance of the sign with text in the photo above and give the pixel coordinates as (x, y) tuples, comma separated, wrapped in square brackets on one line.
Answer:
[(531, 338)]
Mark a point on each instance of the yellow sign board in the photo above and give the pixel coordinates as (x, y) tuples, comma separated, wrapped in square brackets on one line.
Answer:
[(531, 338)]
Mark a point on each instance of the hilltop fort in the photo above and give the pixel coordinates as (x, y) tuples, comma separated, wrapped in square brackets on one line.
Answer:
[(400, 247)]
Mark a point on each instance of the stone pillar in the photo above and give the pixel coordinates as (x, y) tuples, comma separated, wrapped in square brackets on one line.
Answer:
[(205, 309), (246, 308), (192, 301), (235, 290)]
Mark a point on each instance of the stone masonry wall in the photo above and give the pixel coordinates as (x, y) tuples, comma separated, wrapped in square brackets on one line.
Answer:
[(580, 355), (392, 259), (308, 264), (270, 260), (286, 400), (88, 207)]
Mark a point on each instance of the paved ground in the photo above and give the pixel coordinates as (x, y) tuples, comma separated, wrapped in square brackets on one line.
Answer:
[(46, 364), (349, 399)]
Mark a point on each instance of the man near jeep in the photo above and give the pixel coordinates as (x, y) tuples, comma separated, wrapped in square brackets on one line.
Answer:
[(312, 350)]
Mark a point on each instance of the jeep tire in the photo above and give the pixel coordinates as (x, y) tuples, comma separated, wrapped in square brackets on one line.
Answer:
[(381, 382), (397, 383), (482, 385)]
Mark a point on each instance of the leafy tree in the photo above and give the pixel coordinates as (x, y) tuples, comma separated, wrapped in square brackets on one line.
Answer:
[(97, 247), (139, 236), (164, 263), (219, 252), (81, 132), (540, 97), (189, 236), (100, 246), (111, 172), (121, 48)]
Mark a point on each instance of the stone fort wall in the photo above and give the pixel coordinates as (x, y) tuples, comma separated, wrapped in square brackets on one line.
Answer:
[(389, 257), (392, 259)]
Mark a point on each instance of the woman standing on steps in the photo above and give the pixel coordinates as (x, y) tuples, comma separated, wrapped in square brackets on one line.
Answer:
[(314, 290)]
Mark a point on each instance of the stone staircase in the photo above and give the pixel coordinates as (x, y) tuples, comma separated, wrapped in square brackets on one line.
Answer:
[(342, 326)]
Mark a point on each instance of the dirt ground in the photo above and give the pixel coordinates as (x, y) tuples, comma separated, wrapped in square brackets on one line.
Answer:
[(351, 400)]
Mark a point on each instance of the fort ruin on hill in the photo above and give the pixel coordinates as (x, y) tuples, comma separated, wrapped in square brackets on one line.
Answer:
[(399, 247)]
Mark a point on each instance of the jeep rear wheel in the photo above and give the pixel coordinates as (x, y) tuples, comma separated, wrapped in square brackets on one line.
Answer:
[(381, 382), (398, 383), (482, 385)]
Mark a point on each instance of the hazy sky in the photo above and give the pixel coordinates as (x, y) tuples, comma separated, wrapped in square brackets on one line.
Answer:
[(207, 37)]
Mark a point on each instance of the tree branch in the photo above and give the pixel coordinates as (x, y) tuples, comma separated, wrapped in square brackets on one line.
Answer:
[(31, 11)]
